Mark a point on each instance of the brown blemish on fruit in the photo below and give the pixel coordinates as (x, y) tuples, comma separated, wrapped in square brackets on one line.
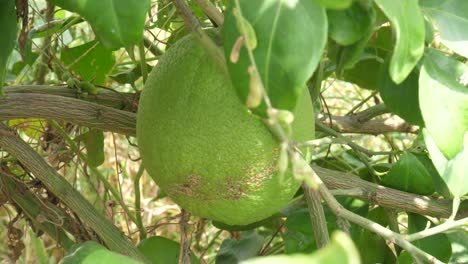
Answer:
[(231, 188)]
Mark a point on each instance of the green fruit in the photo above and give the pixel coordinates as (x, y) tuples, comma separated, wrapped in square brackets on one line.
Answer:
[(160, 250), (204, 148)]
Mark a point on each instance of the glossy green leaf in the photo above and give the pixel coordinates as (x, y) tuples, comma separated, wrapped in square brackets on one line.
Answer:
[(95, 65), (401, 99), (340, 250), (409, 175), (350, 25), (161, 250), (444, 101), (234, 251), (91, 252), (408, 24), (8, 32), (291, 37), (94, 142), (451, 19), (117, 23), (437, 245), (335, 4)]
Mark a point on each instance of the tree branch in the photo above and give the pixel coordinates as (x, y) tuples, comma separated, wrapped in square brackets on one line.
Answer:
[(60, 187), (317, 216), (211, 11), (383, 196), (104, 96), (14, 106)]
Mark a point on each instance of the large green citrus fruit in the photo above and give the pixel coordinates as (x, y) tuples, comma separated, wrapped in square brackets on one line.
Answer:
[(204, 148)]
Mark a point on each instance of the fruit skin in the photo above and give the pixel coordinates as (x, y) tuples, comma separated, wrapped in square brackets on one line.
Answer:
[(203, 147)]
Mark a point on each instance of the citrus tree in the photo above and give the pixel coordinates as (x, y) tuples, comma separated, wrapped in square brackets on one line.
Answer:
[(273, 131)]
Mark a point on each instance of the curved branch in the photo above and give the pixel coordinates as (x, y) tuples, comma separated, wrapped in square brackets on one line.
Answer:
[(15, 106), (104, 96), (384, 196)]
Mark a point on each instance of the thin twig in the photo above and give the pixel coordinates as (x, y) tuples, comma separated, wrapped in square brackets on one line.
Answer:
[(211, 11), (195, 28), (184, 249), (438, 229), (136, 187)]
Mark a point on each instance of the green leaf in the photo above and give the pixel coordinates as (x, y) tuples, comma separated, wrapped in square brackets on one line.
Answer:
[(409, 175), (453, 171), (350, 25), (408, 25), (94, 142), (348, 56), (340, 250), (91, 252), (117, 23), (234, 251), (266, 221), (373, 248), (451, 19), (161, 250), (95, 64), (365, 74), (459, 241), (444, 101), (129, 75), (291, 37), (437, 245), (401, 99), (8, 29), (335, 4), (439, 184)]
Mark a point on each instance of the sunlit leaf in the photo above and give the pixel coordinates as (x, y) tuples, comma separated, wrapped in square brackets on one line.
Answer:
[(291, 37), (91, 252), (409, 175), (8, 32), (117, 23), (408, 24), (444, 101), (451, 19), (453, 171), (32, 128)]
